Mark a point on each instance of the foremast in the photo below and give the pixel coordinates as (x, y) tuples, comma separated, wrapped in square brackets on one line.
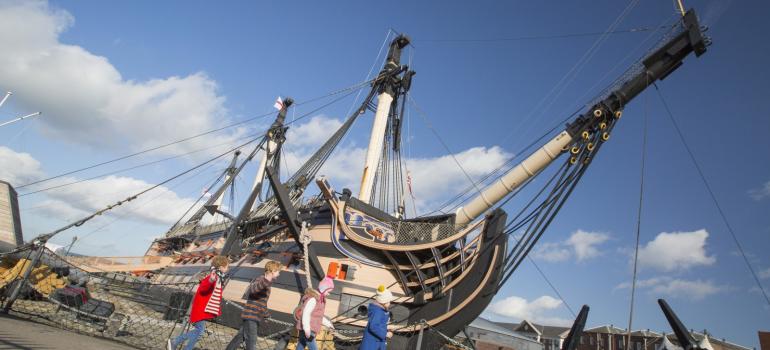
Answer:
[(388, 89), (599, 119)]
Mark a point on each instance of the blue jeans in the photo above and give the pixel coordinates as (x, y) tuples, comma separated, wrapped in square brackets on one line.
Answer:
[(303, 342), (246, 334), (191, 336)]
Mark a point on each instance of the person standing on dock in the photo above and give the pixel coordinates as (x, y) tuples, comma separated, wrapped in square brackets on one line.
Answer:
[(376, 333), (206, 305), (256, 307)]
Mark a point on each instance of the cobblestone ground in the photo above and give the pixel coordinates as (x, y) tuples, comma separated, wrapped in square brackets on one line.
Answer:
[(17, 333)]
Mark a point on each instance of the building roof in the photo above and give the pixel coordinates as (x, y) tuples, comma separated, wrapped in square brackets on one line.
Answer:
[(541, 330), (607, 329), (645, 333), (487, 325)]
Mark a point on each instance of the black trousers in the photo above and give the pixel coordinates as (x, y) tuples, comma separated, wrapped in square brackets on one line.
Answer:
[(246, 334)]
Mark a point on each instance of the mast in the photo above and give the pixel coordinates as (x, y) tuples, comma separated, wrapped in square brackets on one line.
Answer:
[(387, 91), (275, 137), (220, 194), (656, 66), (275, 134)]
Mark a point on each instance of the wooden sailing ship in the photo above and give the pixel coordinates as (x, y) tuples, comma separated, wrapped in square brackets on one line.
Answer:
[(444, 270)]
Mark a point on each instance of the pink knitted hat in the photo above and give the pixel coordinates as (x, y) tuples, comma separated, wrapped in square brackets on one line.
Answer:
[(325, 284)]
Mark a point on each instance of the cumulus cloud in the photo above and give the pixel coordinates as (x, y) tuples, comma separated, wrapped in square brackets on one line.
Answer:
[(536, 310), (677, 288), (581, 245), (161, 206), (87, 101), (18, 168), (433, 178), (761, 192), (676, 251), (312, 133)]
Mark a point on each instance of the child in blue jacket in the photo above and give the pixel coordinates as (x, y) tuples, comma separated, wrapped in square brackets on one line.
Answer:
[(376, 333)]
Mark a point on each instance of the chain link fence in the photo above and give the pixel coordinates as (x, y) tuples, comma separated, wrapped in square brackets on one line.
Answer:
[(136, 311)]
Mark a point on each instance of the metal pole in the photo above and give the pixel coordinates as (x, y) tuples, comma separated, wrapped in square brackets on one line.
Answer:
[(419, 338), (74, 238), (24, 279), (7, 94), (21, 118)]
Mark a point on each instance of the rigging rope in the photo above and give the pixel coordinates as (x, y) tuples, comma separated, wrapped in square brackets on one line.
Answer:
[(121, 217), (141, 165), (82, 221), (336, 92), (440, 140), (552, 36), (713, 196), (638, 222), (569, 77)]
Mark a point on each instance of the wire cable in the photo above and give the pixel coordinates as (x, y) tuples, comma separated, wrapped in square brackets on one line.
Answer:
[(713, 196)]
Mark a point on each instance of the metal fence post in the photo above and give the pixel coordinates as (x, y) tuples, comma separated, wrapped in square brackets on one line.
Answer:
[(20, 284), (419, 336)]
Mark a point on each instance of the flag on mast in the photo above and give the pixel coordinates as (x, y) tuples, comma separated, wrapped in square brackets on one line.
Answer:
[(409, 183), (278, 103)]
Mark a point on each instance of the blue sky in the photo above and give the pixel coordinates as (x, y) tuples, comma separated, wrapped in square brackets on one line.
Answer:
[(113, 78)]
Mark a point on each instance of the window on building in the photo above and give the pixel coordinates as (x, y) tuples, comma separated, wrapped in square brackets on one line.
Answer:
[(592, 340), (638, 345), (582, 339)]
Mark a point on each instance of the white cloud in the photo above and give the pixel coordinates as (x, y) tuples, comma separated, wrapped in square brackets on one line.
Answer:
[(433, 178), (312, 133), (552, 252), (438, 178), (18, 168), (86, 100), (760, 193), (764, 274), (676, 251), (581, 245), (536, 310), (584, 243), (160, 206), (677, 288)]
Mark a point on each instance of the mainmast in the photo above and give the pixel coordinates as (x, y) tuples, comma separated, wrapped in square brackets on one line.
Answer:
[(387, 92), (656, 66)]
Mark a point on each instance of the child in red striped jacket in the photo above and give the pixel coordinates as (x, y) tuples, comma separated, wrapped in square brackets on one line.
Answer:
[(206, 305)]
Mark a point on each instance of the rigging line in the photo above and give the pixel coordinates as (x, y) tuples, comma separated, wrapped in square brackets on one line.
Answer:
[(126, 214), (143, 151), (356, 86), (569, 77), (82, 221), (506, 163), (711, 193), (428, 124), (206, 190), (619, 62), (554, 36), (177, 156), (371, 69), (553, 287), (638, 220), (139, 165)]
